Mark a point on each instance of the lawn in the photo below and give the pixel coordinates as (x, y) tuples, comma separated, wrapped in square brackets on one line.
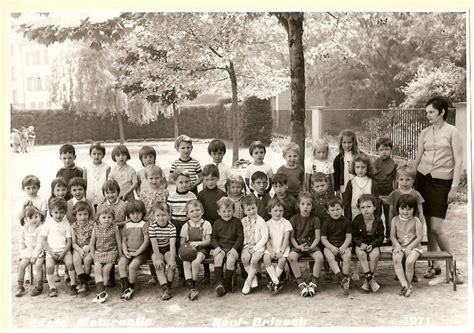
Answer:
[(429, 305)]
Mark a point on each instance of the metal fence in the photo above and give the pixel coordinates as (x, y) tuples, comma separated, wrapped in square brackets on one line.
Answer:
[(403, 126)]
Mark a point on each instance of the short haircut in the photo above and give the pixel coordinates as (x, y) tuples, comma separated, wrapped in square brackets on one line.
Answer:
[(301, 196), (385, 142), (291, 146), (407, 170), (135, 206), (161, 205), (104, 209), (58, 181), (364, 159), (145, 151), (210, 170), (333, 202), (248, 200), (30, 180), (439, 103), (280, 178), (182, 138), (225, 202), (29, 211), (57, 203), (67, 149), (83, 206), (258, 175), (153, 170), (180, 172), (77, 181), (273, 202), (320, 142), (194, 203), (110, 185), (120, 149), (408, 201), (319, 177), (367, 197), (215, 146), (257, 144), (96, 146), (236, 179)]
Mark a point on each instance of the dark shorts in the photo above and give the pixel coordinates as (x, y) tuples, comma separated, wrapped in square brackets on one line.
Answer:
[(305, 253), (164, 249), (435, 192)]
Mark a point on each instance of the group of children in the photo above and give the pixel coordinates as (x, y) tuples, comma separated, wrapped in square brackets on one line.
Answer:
[(101, 216)]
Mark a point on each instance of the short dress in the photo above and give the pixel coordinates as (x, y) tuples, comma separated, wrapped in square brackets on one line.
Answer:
[(106, 251), (83, 233)]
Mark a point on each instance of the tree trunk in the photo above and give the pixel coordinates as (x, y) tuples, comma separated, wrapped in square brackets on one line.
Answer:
[(175, 120), (297, 75), (235, 116), (120, 124)]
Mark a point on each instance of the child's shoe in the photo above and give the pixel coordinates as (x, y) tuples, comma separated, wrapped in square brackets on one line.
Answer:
[(408, 292), (254, 282), (205, 280), (374, 285), (328, 276), (187, 295), (165, 293), (246, 287), (96, 299), (57, 278), (303, 288), (365, 286), (20, 290), (403, 291), (102, 297), (345, 284), (312, 288), (127, 294), (193, 294), (277, 287), (73, 291), (82, 288), (220, 290), (270, 285), (36, 291), (53, 292)]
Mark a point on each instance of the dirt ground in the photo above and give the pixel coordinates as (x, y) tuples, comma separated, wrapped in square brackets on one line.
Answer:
[(429, 305)]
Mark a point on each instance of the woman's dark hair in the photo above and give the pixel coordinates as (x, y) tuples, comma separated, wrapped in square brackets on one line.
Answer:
[(439, 103)]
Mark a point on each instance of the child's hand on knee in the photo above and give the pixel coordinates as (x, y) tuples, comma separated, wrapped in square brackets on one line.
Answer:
[(159, 264), (369, 248), (126, 254), (172, 264), (218, 250), (233, 252), (334, 250)]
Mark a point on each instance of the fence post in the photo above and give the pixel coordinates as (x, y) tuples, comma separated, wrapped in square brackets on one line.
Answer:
[(317, 122)]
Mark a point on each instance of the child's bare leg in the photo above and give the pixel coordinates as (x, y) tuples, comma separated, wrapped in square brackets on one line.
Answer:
[(188, 275), (98, 273), (171, 269), (57, 278), (134, 267), (70, 267), (362, 256), (160, 272), (346, 262), (24, 262), (331, 261), (293, 258), (39, 272), (196, 264), (122, 267), (318, 263), (77, 262), (280, 266), (245, 258), (50, 266), (106, 269), (254, 263), (397, 258), (410, 266), (374, 256), (88, 260), (270, 269)]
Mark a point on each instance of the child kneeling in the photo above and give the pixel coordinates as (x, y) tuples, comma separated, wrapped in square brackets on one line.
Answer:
[(406, 233), (227, 240), (305, 238), (368, 235), (336, 236)]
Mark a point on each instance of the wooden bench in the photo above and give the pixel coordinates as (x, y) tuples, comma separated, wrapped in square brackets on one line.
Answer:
[(385, 255)]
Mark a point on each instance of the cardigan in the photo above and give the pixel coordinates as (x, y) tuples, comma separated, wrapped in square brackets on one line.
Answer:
[(347, 199), (359, 231)]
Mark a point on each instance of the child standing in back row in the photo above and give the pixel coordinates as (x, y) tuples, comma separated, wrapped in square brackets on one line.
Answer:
[(67, 154), (147, 156), (257, 150), (320, 163), (384, 176), (217, 150), (96, 174), (292, 169), (184, 146), (348, 148), (280, 185), (123, 174)]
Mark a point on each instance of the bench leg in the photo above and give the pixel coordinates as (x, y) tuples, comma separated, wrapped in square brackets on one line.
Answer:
[(447, 269), (454, 275)]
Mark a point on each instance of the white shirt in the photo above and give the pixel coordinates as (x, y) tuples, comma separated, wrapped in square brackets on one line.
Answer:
[(56, 233)]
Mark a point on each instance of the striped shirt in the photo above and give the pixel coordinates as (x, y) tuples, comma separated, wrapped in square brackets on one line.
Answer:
[(192, 166), (177, 202), (162, 234)]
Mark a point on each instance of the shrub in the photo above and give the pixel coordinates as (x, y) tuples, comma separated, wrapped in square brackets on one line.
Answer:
[(257, 120)]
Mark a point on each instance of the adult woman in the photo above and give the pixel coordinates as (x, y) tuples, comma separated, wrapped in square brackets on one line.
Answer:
[(438, 163)]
